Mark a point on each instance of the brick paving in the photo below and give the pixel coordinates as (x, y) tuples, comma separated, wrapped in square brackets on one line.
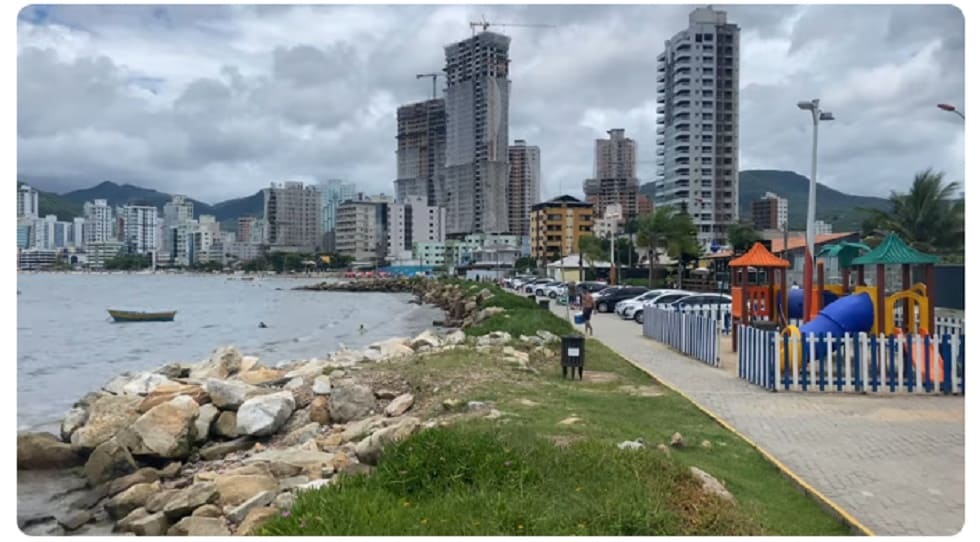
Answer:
[(896, 464)]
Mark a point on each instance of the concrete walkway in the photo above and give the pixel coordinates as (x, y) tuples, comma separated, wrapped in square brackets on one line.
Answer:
[(896, 464)]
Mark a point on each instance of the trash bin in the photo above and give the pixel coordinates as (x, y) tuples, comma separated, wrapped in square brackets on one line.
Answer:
[(572, 354), (544, 304), (532, 297)]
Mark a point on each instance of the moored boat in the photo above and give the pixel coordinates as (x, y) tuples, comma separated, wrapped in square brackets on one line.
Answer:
[(137, 316)]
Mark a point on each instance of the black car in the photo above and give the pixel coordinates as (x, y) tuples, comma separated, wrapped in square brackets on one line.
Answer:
[(605, 301), (592, 286)]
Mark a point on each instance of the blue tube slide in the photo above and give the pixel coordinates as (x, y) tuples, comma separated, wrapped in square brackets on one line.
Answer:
[(849, 314), (796, 301)]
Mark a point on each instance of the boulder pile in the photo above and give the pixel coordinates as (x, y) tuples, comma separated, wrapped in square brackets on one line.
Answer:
[(221, 446)]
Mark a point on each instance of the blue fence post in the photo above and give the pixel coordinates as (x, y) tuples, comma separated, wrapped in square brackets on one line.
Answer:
[(907, 362), (927, 356), (874, 366), (822, 364), (892, 371), (946, 351), (839, 361)]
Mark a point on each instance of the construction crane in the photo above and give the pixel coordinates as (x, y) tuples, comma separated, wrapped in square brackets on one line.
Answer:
[(485, 24), (434, 76)]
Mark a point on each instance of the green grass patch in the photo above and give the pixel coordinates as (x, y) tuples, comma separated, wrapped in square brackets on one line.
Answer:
[(529, 473), (481, 480)]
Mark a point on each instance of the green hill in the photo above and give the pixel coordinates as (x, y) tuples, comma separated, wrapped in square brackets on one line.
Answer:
[(117, 194), (840, 209)]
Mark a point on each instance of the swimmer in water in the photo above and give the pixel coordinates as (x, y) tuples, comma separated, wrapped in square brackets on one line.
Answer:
[(362, 328), (262, 325)]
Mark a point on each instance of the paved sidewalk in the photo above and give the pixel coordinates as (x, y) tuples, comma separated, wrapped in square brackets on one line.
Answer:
[(896, 464)]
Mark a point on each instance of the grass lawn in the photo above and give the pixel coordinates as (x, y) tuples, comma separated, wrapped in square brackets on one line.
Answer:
[(527, 473)]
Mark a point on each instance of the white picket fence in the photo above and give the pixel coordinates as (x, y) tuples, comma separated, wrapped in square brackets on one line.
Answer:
[(721, 314), (688, 332), (859, 363)]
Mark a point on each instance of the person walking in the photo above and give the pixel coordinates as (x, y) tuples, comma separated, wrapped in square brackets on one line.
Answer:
[(587, 305)]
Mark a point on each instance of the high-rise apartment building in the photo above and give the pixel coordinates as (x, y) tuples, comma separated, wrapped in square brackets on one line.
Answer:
[(557, 225), (295, 216), (333, 192), (27, 199), (99, 221), (770, 212), (524, 185), (477, 104), (361, 231), (140, 228), (413, 221), (243, 233), (421, 150), (614, 181), (178, 210), (697, 93)]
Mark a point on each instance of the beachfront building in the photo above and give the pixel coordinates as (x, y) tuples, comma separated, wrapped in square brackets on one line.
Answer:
[(557, 225)]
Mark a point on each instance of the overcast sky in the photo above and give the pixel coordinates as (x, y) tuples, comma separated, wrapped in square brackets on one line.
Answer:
[(215, 102)]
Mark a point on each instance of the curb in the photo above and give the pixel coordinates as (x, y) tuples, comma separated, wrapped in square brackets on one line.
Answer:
[(823, 501)]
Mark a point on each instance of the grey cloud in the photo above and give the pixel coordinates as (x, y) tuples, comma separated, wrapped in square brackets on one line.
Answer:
[(250, 94)]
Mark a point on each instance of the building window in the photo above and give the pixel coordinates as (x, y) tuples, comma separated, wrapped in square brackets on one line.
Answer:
[(709, 37)]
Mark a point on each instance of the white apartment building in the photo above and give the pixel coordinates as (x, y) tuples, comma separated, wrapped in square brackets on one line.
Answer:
[(697, 133), (410, 222), (524, 185), (99, 221), (822, 228), (178, 210), (78, 232), (27, 202), (294, 214), (333, 192), (360, 232), (140, 228)]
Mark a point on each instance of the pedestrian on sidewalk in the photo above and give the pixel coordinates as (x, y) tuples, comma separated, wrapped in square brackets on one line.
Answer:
[(587, 305)]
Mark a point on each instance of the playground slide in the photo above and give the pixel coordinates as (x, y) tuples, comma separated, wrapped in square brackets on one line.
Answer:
[(796, 301), (849, 314)]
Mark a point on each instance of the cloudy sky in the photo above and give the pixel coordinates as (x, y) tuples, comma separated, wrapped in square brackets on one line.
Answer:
[(217, 101)]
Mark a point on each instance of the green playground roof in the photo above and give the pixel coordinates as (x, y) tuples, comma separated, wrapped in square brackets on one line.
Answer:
[(894, 251), (844, 251)]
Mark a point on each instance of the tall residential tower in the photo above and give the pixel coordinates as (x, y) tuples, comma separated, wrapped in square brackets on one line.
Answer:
[(614, 182), (524, 186), (421, 150), (477, 102), (697, 86)]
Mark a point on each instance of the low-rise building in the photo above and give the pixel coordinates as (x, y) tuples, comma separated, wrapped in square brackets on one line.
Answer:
[(101, 252), (361, 231), (557, 225)]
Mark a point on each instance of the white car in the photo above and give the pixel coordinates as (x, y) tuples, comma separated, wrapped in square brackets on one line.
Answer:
[(663, 299), (555, 291), (626, 309)]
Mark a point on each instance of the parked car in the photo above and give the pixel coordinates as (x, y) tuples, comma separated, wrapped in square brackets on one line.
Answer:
[(605, 301), (558, 289), (661, 300), (528, 287), (628, 307), (593, 286), (517, 282), (543, 288)]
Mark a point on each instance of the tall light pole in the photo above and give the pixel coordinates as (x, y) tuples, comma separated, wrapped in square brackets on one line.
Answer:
[(813, 106), (951, 109)]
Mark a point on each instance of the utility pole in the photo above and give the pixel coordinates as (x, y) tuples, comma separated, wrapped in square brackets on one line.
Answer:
[(813, 106)]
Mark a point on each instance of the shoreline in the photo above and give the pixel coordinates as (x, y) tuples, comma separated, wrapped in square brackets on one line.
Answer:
[(169, 404)]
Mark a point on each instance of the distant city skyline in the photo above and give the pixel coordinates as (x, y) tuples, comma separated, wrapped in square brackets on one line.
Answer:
[(218, 101)]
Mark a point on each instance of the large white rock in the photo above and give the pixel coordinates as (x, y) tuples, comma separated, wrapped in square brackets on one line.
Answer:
[(456, 337), (265, 414), (350, 402), (229, 394), (369, 450), (116, 385), (426, 338), (224, 362), (106, 416), (494, 338), (392, 348), (75, 418), (206, 414), (145, 383), (296, 456), (321, 385), (166, 430), (711, 485), (400, 405)]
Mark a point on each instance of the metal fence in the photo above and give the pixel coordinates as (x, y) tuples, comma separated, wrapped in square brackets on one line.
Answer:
[(915, 364), (721, 314), (690, 333)]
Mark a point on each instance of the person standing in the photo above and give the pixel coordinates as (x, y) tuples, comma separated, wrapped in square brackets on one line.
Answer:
[(587, 305)]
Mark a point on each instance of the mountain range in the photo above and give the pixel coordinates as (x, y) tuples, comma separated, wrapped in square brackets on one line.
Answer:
[(840, 209)]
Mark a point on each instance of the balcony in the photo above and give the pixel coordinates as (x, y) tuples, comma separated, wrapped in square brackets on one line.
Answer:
[(661, 161), (660, 131), (683, 127), (660, 109), (661, 87), (660, 149), (682, 116), (682, 138), (682, 103), (661, 78), (660, 120), (682, 58)]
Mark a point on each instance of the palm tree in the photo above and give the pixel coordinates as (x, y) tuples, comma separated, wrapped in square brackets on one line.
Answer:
[(929, 216), (591, 249), (667, 229)]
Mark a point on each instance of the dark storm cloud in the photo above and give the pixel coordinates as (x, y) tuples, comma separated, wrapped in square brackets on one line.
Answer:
[(217, 101)]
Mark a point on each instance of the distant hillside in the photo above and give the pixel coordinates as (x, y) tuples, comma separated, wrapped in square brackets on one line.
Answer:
[(841, 210), (122, 194), (69, 205), (234, 208)]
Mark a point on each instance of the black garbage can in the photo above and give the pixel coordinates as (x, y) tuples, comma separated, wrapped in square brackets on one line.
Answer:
[(545, 304), (572, 354), (532, 297)]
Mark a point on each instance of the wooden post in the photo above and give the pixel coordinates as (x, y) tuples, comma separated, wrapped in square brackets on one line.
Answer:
[(880, 285), (860, 281), (819, 286), (785, 272), (845, 277), (931, 295), (907, 312), (771, 295)]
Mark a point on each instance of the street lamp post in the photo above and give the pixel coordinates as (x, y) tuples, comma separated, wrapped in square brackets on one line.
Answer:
[(951, 109), (813, 106)]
